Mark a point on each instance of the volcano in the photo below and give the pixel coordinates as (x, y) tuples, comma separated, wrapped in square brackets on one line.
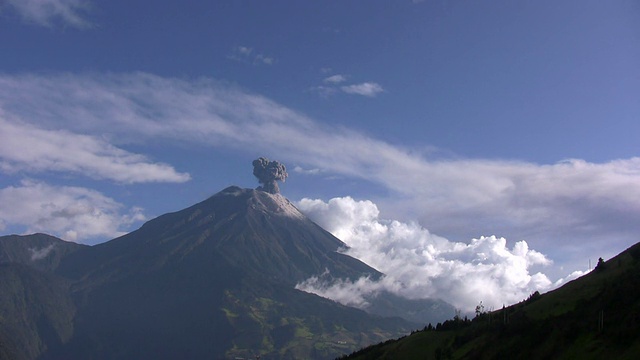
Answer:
[(215, 280)]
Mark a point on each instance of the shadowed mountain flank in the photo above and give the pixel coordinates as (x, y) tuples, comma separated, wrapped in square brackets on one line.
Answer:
[(41, 251)]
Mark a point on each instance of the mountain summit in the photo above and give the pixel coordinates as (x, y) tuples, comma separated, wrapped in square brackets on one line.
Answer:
[(215, 280), (257, 232)]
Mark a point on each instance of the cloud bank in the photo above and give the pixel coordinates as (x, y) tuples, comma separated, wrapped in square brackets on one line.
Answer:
[(419, 264), (71, 213)]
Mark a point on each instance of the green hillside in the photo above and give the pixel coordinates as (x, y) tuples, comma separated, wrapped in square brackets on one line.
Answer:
[(594, 317)]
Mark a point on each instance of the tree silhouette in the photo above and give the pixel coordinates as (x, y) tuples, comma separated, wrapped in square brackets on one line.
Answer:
[(479, 309)]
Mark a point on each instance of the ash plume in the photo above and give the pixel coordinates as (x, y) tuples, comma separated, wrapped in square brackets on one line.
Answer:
[(268, 173)]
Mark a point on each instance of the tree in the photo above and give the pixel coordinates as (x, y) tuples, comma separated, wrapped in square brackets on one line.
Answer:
[(457, 317), (479, 309), (533, 297)]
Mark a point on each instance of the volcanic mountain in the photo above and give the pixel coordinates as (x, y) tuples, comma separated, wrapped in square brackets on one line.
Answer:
[(215, 280)]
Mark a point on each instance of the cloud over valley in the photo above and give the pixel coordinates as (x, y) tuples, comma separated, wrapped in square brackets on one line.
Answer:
[(419, 264)]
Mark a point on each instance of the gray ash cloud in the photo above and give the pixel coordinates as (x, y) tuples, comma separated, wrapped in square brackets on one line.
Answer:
[(268, 174)]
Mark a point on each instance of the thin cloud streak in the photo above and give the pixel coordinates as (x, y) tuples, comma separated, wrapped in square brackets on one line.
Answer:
[(301, 170), (369, 89), (335, 79), (48, 13)]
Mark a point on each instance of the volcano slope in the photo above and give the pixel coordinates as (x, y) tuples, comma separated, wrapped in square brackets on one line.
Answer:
[(215, 280)]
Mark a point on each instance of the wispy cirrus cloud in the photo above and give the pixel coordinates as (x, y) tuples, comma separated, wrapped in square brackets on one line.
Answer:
[(250, 56), (331, 85), (25, 147), (323, 90), (369, 89), (301, 170), (72, 213), (589, 206), (49, 13), (335, 79)]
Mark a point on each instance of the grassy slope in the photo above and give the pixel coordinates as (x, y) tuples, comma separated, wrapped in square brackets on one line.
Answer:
[(564, 323)]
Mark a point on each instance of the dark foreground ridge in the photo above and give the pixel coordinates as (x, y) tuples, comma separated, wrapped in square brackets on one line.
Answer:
[(594, 317), (215, 281)]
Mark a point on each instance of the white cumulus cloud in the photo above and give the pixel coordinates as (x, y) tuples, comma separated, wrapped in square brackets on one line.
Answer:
[(419, 264)]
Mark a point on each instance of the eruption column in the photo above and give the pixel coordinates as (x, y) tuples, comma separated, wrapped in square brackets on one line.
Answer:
[(268, 173)]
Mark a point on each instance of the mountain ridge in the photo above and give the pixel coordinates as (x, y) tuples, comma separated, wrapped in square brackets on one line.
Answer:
[(44, 251)]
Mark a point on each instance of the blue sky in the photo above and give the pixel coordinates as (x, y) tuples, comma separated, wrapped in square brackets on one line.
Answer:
[(469, 119)]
